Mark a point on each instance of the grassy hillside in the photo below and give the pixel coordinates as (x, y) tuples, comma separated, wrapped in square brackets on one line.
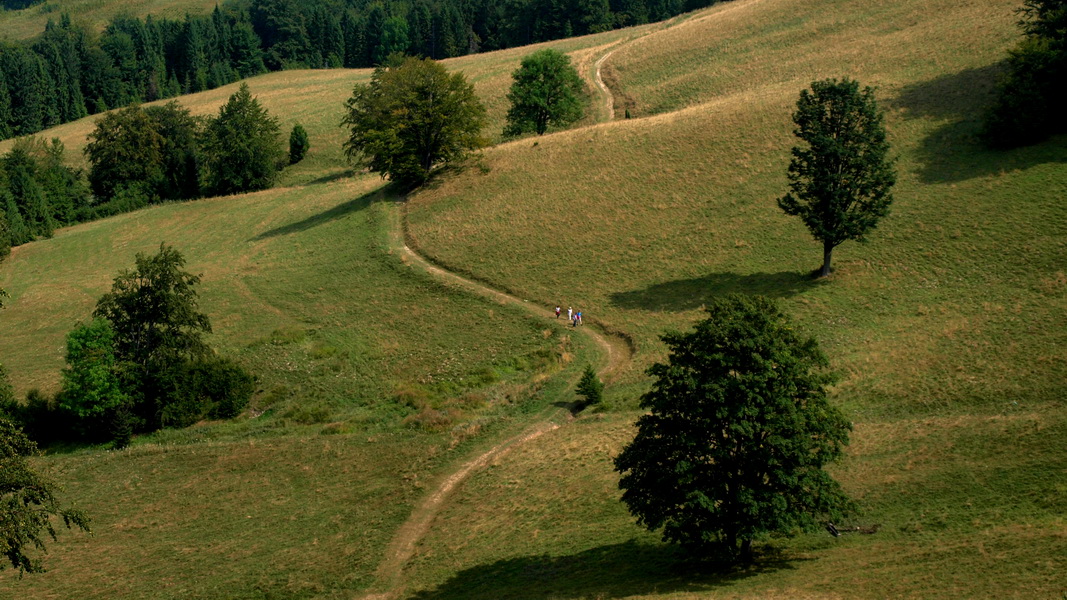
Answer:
[(358, 356), (948, 330)]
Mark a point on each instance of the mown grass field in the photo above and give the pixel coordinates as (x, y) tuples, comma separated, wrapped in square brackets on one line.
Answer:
[(374, 379), (948, 331)]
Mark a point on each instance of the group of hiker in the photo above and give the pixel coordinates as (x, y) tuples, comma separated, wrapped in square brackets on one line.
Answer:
[(574, 316)]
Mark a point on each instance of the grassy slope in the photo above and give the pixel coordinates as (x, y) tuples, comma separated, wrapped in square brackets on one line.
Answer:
[(948, 328), (302, 286), (30, 22)]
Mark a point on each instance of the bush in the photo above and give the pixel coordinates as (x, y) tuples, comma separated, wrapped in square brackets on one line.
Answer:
[(213, 388), (298, 144)]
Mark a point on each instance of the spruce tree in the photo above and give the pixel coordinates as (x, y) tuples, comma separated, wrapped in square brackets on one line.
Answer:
[(243, 148)]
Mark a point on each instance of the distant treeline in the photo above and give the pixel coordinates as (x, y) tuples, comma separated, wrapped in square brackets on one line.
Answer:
[(69, 71)]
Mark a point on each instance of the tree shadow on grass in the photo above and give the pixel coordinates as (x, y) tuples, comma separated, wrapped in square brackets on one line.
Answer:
[(322, 218), (954, 151), (689, 294), (615, 571)]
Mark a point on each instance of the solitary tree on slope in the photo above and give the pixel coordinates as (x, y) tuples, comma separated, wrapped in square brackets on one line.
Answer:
[(738, 432), (547, 91), (839, 183)]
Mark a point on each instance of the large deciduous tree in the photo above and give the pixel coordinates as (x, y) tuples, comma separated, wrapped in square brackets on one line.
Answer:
[(411, 117), (243, 147), (29, 509), (546, 91), (840, 181), (154, 313), (125, 149), (738, 432)]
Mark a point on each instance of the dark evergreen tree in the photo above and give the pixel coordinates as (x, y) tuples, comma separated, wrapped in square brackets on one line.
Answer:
[(246, 55), (242, 146), (738, 433), (1030, 100), (29, 198), (180, 155), (298, 144), (5, 107), (590, 388), (840, 181)]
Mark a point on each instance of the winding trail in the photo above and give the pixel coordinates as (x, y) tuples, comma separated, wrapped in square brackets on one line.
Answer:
[(609, 99), (389, 575)]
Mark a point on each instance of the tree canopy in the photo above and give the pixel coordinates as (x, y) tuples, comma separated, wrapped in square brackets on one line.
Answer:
[(29, 507), (412, 117), (243, 147), (546, 91), (738, 432), (840, 181)]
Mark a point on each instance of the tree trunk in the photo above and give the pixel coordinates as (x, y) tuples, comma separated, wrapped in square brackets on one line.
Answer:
[(746, 551), (827, 250)]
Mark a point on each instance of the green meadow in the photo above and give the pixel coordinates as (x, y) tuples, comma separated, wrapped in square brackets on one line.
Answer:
[(377, 380)]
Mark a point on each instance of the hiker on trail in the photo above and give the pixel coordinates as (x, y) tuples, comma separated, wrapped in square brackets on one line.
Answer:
[(570, 314), (578, 317), (557, 311), (574, 320)]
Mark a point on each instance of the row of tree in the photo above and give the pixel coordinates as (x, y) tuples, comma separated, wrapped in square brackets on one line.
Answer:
[(140, 156), (69, 71)]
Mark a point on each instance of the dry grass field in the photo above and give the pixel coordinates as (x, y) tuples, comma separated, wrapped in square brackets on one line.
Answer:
[(948, 331)]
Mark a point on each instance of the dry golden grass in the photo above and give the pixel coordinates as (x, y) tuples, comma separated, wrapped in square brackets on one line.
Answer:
[(753, 44)]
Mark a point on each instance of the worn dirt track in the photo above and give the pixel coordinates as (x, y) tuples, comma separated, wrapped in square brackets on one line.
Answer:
[(389, 575)]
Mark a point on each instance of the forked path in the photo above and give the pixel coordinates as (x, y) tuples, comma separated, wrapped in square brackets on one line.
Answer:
[(389, 575)]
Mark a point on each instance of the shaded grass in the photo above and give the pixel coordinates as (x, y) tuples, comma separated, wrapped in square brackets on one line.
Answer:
[(945, 493)]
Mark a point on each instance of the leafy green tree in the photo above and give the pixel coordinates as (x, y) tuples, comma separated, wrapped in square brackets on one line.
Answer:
[(91, 387), (840, 183), (29, 507), (547, 91), (153, 310), (298, 144), (125, 148), (242, 146), (738, 432), (179, 151), (590, 388), (412, 117)]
